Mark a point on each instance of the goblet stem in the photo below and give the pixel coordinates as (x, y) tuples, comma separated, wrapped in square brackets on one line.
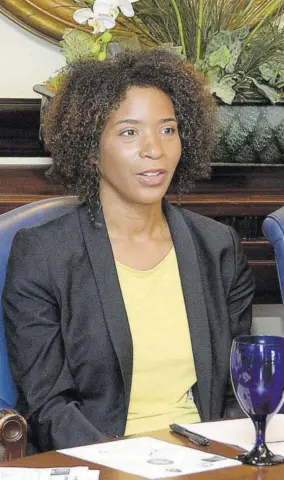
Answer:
[(260, 428)]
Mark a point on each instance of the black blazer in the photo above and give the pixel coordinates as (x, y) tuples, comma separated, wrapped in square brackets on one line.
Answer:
[(68, 335)]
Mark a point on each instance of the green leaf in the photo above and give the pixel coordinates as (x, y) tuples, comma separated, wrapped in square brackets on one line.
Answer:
[(266, 91), (129, 43), (235, 51), (213, 75), (225, 38), (224, 89), (273, 72), (172, 48), (220, 57), (77, 44), (269, 72)]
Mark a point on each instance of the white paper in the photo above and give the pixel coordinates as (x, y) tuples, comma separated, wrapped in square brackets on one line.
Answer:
[(92, 475), (60, 473), (150, 458), (239, 432)]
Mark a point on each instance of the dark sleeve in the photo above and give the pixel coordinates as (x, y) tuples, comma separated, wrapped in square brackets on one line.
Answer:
[(47, 393), (241, 293)]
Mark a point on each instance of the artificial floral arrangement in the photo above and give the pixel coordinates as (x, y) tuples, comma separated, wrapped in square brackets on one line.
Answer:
[(237, 44)]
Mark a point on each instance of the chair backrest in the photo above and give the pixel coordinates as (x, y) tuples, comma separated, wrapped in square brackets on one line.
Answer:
[(10, 222), (273, 229)]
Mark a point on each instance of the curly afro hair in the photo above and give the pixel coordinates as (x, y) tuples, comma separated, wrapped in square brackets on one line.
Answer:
[(77, 115)]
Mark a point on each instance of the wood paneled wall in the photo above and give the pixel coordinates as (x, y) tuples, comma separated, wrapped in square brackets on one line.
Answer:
[(238, 196)]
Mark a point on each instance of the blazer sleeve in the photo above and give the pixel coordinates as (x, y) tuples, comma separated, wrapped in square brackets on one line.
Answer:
[(47, 392), (240, 296)]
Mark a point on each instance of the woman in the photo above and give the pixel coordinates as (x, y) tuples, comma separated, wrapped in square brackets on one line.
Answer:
[(120, 314)]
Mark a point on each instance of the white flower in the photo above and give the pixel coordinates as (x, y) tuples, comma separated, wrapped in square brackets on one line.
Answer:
[(103, 8), (83, 15), (124, 5), (98, 17), (101, 23), (102, 15)]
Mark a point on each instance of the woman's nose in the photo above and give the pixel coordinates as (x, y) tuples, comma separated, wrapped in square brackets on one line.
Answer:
[(151, 147)]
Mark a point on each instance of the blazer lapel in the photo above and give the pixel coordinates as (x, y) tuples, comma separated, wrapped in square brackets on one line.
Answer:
[(194, 303), (101, 257)]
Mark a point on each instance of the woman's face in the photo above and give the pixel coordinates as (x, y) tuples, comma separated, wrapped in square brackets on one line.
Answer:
[(140, 148)]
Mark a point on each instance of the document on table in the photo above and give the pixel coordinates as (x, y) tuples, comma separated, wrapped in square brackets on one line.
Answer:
[(150, 458), (60, 473), (241, 432)]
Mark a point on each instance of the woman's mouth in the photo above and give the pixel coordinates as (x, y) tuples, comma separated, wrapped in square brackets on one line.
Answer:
[(151, 178)]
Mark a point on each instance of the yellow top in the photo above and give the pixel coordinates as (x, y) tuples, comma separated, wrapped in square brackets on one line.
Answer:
[(163, 365)]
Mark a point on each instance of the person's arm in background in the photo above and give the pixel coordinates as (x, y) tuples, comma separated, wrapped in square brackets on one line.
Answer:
[(239, 301), (36, 351)]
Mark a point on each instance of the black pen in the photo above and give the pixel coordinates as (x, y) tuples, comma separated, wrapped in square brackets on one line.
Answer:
[(191, 436)]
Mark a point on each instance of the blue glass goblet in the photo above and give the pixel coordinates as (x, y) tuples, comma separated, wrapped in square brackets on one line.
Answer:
[(257, 372)]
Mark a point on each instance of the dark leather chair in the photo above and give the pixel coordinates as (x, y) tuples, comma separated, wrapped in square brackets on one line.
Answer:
[(13, 427), (273, 229)]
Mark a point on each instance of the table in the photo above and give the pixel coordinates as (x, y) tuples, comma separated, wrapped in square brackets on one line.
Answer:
[(243, 472)]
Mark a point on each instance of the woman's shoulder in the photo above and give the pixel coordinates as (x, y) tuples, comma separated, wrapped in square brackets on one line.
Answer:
[(53, 234), (203, 223), (209, 233), (57, 223)]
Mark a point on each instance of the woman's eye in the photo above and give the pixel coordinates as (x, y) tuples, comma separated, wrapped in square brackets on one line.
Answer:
[(128, 133), (168, 130)]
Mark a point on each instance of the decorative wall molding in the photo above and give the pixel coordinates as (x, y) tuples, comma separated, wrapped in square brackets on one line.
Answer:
[(21, 161)]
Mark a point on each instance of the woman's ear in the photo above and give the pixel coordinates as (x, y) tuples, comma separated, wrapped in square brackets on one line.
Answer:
[(94, 159), (95, 166)]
